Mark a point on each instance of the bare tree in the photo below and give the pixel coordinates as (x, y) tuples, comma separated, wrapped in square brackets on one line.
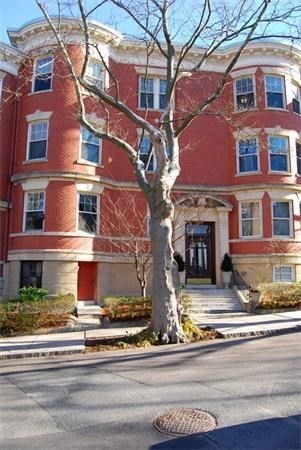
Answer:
[(125, 227), (170, 29)]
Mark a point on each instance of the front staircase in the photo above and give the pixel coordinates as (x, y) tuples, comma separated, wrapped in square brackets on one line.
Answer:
[(90, 315), (211, 300)]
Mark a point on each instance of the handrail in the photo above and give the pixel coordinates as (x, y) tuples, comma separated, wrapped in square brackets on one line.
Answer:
[(242, 288)]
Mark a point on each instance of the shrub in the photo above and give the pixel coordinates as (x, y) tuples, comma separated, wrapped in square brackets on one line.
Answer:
[(26, 316), (32, 293), (227, 265), (128, 307), (280, 295), (180, 262)]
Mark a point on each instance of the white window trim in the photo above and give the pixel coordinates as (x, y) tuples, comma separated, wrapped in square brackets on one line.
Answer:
[(241, 138), (25, 211), (86, 161), (254, 236), (283, 84), (288, 139), (34, 69), (156, 92), (86, 233), (236, 107), (280, 266), (139, 136), (93, 80), (298, 97), (29, 140), (290, 219)]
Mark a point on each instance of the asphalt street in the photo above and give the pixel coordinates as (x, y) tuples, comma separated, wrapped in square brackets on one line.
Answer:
[(109, 400)]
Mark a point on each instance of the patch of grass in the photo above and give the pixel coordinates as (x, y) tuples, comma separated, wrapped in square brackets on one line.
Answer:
[(280, 296)]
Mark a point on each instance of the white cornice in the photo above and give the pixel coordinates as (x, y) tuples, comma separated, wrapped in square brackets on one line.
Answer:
[(37, 34), (10, 59)]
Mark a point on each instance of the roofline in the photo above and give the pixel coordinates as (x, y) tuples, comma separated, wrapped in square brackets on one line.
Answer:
[(261, 45), (15, 33)]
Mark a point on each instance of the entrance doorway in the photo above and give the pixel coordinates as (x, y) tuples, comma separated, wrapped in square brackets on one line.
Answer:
[(200, 251), (86, 281)]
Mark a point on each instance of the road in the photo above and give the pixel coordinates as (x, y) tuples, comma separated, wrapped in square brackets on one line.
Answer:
[(109, 400)]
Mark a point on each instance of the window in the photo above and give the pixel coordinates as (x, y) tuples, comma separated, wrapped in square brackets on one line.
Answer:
[(42, 74), (250, 219), (152, 93), (274, 88), (244, 93), (146, 153), (247, 155), (296, 98), (278, 153), (89, 146), (283, 274), (87, 209), (281, 219), (37, 140), (31, 274), (298, 154), (34, 211), (95, 74)]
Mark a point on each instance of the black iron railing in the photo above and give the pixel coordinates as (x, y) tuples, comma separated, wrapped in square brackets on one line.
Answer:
[(242, 288)]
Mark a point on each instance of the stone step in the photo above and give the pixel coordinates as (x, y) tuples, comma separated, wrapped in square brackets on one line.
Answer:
[(213, 301), (91, 312)]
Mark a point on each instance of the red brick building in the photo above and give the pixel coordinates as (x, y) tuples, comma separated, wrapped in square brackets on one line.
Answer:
[(239, 190)]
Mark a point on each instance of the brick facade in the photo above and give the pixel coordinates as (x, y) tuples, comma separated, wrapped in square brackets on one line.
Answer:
[(249, 197)]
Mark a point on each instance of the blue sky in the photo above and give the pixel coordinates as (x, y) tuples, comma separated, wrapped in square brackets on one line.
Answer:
[(13, 13)]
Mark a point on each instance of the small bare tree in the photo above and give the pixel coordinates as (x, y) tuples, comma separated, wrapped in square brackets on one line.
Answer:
[(170, 29), (125, 227)]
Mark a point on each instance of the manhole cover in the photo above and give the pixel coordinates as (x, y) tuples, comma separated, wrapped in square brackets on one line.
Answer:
[(184, 421)]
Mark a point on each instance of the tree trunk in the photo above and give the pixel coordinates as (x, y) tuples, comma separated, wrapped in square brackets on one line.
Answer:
[(165, 308), (143, 290)]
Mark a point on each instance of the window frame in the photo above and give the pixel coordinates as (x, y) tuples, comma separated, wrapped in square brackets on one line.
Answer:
[(283, 266), (85, 142), (30, 140), (155, 93), (152, 159), (239, 156), (241, 107), (253, 219), (296, 102), (98, 82), (27, 211), (32, 274), (35, 77), (286, 153), (88, 194), (270, 91), (298, 157), (288, 219)]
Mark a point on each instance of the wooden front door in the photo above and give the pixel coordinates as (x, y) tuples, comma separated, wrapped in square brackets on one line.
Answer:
[(86, 281), (200, 250)]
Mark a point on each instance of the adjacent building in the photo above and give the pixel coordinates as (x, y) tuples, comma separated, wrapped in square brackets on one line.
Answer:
[(239, 190)]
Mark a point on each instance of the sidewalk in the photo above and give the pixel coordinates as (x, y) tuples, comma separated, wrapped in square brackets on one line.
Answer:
[(74, 342)]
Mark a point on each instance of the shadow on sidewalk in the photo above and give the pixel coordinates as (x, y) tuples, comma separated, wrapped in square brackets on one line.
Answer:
[(271, 434)]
